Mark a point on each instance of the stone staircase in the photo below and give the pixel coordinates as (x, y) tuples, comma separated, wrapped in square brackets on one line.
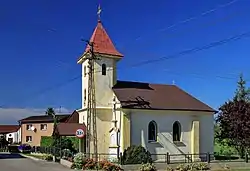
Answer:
[(176, 155)]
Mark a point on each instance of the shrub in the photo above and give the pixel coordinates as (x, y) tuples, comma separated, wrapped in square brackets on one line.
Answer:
[(46, 141), (136, 155), (189, 167), (202, 166), (108, 166), (67, 153), (182, 167), (47, 157), (90, 164), (169, 168), (78, 161), (148, 167)]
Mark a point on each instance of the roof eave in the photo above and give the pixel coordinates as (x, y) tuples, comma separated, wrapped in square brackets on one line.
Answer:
[(83, 57), (173, 109)]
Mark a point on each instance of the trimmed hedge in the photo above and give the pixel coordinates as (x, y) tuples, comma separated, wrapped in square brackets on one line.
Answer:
[(48, 141)]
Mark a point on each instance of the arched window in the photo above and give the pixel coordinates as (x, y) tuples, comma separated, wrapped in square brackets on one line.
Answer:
[(103, 69), (176, 131), (152, 131)]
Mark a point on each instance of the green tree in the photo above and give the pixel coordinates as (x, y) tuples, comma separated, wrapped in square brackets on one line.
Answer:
[(242, 92), (50, 111)]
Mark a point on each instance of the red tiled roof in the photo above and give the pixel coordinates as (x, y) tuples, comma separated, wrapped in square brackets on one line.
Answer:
[(68, 129), (137, 95), (5, 129), (44, 118), (102, 42)]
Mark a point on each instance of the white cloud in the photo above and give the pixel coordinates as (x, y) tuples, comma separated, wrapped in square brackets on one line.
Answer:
[(12, 115)]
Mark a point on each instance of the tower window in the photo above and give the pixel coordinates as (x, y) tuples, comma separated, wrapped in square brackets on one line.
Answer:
[(85, 96), (104, 69), (85, 71)]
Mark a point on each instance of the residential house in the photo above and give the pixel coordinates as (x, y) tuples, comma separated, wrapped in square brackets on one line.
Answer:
[(162, 118), (34, 127), (11, 133)]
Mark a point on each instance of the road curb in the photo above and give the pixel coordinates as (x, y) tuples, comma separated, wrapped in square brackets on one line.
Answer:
[(30, 157)]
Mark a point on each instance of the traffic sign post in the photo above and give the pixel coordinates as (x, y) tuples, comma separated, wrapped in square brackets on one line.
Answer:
[(80, 133)]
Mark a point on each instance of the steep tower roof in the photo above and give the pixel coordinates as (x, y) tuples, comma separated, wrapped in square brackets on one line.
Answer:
[(102, 42)]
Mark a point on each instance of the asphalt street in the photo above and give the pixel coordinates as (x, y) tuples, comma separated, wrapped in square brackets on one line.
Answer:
[(14, 162)]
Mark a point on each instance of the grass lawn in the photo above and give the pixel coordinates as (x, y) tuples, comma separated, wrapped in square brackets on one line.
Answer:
[(39, 156), (222, 149)]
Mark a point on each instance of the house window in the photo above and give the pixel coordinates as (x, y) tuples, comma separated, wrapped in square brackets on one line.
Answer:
[(10, 140), (176, 131), (103, 69), (85, 70), (28, 127), (28, 138), (43, 127), (152, 131), (85, 96)]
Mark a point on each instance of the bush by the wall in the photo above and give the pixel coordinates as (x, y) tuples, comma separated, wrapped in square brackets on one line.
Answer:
[(66, 142), (78, 161), (136, 155), (148, 167), (188, 167), (46, 141)]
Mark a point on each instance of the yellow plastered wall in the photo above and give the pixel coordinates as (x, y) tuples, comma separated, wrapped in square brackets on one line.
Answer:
[(125, 132), (195, 139)]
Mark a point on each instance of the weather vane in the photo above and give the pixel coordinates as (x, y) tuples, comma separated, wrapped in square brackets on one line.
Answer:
[(99, 12)]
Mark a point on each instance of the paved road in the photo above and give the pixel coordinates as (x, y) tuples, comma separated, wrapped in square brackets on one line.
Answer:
[(15, 162)]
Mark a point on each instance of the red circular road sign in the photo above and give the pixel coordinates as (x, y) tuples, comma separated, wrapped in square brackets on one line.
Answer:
[(80, 133)]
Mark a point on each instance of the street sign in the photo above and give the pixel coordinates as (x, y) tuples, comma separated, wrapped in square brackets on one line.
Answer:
[(80, 133)]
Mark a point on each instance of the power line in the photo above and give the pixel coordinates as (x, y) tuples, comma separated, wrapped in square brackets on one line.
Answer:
[(176, 24), (203, 76), (203, 26), (170, 56), (196, 17), (180, 54), (193, 50)]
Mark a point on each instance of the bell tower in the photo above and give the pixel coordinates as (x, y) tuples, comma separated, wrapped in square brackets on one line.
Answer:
[(105, 66)]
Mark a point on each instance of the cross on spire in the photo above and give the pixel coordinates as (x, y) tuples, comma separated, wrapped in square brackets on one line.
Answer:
[(99, 12)]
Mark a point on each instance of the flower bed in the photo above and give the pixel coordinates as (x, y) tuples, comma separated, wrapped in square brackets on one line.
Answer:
[(80, 162)]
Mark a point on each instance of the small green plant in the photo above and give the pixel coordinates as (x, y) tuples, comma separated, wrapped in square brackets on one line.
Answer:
[(169, 168), (147, 167), (78, 161), (190, 167), (136, 155), (47, 157), (182, 167), (202, 166), (108, 166)]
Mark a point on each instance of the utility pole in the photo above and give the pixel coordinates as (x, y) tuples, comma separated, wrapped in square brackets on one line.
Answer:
[(91, 107)]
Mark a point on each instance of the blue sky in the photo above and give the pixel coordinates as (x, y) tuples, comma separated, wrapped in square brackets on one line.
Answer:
[(40, 44)]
